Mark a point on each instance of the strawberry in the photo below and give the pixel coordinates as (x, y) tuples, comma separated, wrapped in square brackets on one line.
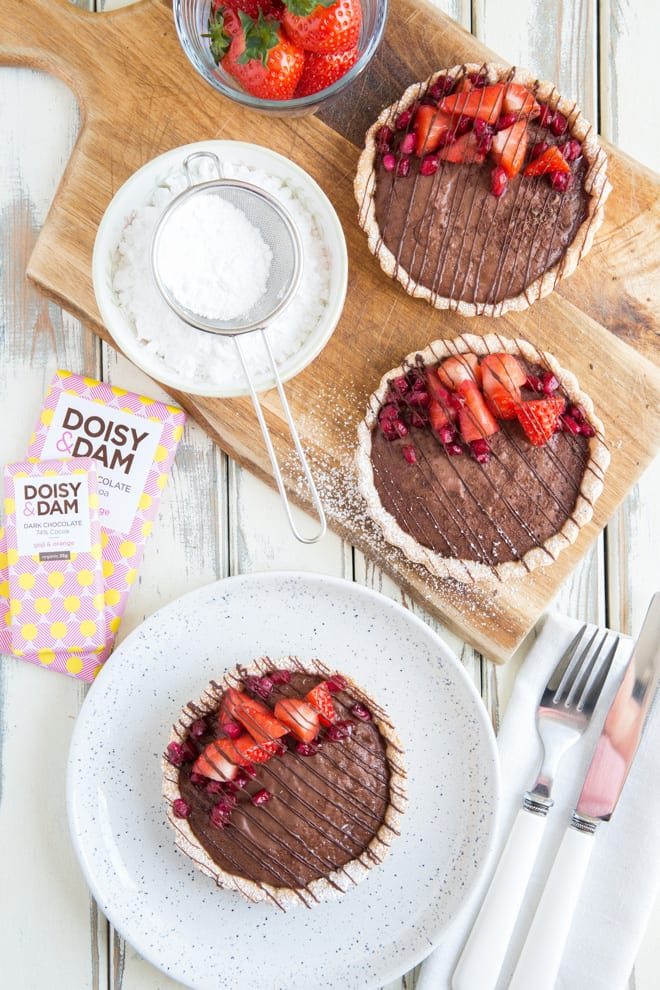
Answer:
[(299, 717), (519, 100), (484, 102), (439, 415), (213, 762), (506, 367), (264, 60), (430, 126), (457, 368), (244, 751), (323, 25), (475, 420), (320, 699), (322, 69), (502, 397), (254, 716), (551, 160), (224, 26), (539, 417), (508, 147), (464, 150), (269, 8)]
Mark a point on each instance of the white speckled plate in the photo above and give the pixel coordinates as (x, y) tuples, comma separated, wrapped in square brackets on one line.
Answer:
[(211, 939)]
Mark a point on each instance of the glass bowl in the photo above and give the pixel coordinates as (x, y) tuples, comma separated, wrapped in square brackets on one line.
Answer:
[(191, 18)]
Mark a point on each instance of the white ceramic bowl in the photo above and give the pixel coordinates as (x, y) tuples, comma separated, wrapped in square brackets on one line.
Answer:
[(137, 192)]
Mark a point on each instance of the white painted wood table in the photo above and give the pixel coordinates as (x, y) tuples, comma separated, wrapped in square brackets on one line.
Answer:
[(217, 520)]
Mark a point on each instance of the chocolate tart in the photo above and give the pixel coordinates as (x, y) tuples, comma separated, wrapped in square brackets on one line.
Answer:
[(312, 819), (474, 518), (438, 228)]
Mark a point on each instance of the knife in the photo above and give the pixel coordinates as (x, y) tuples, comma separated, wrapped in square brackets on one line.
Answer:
[(613, 757)]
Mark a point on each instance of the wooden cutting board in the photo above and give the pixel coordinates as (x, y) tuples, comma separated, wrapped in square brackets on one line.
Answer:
[(139, 97)]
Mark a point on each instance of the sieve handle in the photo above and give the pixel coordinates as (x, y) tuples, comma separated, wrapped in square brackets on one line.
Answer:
[(201, 154), (271, 450)]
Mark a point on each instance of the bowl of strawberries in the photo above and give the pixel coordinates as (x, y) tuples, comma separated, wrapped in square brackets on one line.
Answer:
[(283, 57)]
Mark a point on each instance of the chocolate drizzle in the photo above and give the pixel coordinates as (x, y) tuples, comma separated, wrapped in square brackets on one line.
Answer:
[(329, 813)]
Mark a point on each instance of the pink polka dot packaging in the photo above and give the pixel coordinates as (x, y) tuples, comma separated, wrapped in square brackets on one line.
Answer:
[(132, 440), (53, 561)]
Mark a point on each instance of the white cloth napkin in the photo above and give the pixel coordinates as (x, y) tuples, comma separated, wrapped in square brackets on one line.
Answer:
[(623, 876)]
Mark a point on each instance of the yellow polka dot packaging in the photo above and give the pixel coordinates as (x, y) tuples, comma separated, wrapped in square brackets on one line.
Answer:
[(53, 560), (132, 440)]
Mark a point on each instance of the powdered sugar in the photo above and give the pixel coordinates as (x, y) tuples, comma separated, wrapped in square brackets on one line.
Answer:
[(170, 347), (212, 259)]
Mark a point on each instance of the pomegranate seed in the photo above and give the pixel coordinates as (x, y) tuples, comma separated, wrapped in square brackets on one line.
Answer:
[(409, 453), (384, 139), (417, 399), (400, 427), (506, 120), (401, 384), (265, 687), (430, 165), (577, 411), (539, 149), (441, 87), (249, 771), (484, 143), (215, 787), (220, 814), (499, 181), (558, 124), (550, 383), (175, 754), (337, 732), (569, 425), (238, 783), (180, 809), (361, 711), (571, 149), (534, 383), (388, 430), (417, 381), (418, 420), (480, 127), (561, 181), (280, 676), (454, 449), (261, 797), (545, 116), (198, 728), (389, 162), (231, 729), (448, 137), (586, 429), (403, 119), (335, 683), (189, 750), (477, 79), (306, 749), (403, 168), (447, 433), (389, 411), (407, 145), (463, 125), (198, 779), (481, 451)]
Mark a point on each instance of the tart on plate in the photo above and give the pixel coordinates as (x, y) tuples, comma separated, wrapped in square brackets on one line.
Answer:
[(481, 458), (481, 188), (284, 782)]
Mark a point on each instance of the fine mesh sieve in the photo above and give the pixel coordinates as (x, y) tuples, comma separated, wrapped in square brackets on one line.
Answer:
[(280, 234)]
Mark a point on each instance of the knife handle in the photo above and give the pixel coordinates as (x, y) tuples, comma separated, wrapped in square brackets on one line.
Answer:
[(482, 957), (543, 950)]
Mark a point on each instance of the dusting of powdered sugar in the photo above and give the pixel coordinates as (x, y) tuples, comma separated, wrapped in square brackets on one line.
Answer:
[(191, 354)]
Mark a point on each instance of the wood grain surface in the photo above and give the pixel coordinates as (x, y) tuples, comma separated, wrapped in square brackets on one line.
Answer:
[(605, 307)]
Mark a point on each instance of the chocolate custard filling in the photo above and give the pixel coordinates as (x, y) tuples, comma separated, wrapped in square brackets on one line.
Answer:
[(324, 809), (490, 513), (449, 233)]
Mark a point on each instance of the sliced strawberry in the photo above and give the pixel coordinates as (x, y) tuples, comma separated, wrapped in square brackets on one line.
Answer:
[(430, 127), (465, 150), (254, 716), (458, 368), (508, 147), (299, 717), (320, 699), (245, 750), (551, 160), (539, 417), (518, 99), (439, 393), (484, 102), (213, 762), (475, 420), (506, 367), (502, 398)]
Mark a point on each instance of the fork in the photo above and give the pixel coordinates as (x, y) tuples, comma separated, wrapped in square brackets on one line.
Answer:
[(563, 713)]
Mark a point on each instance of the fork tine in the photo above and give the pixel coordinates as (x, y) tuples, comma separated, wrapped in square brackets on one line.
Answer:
[(574, 670), (557, 676), (585, 664), (593, 689)]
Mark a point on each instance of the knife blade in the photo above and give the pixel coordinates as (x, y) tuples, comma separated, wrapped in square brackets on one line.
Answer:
[(608, 771)]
